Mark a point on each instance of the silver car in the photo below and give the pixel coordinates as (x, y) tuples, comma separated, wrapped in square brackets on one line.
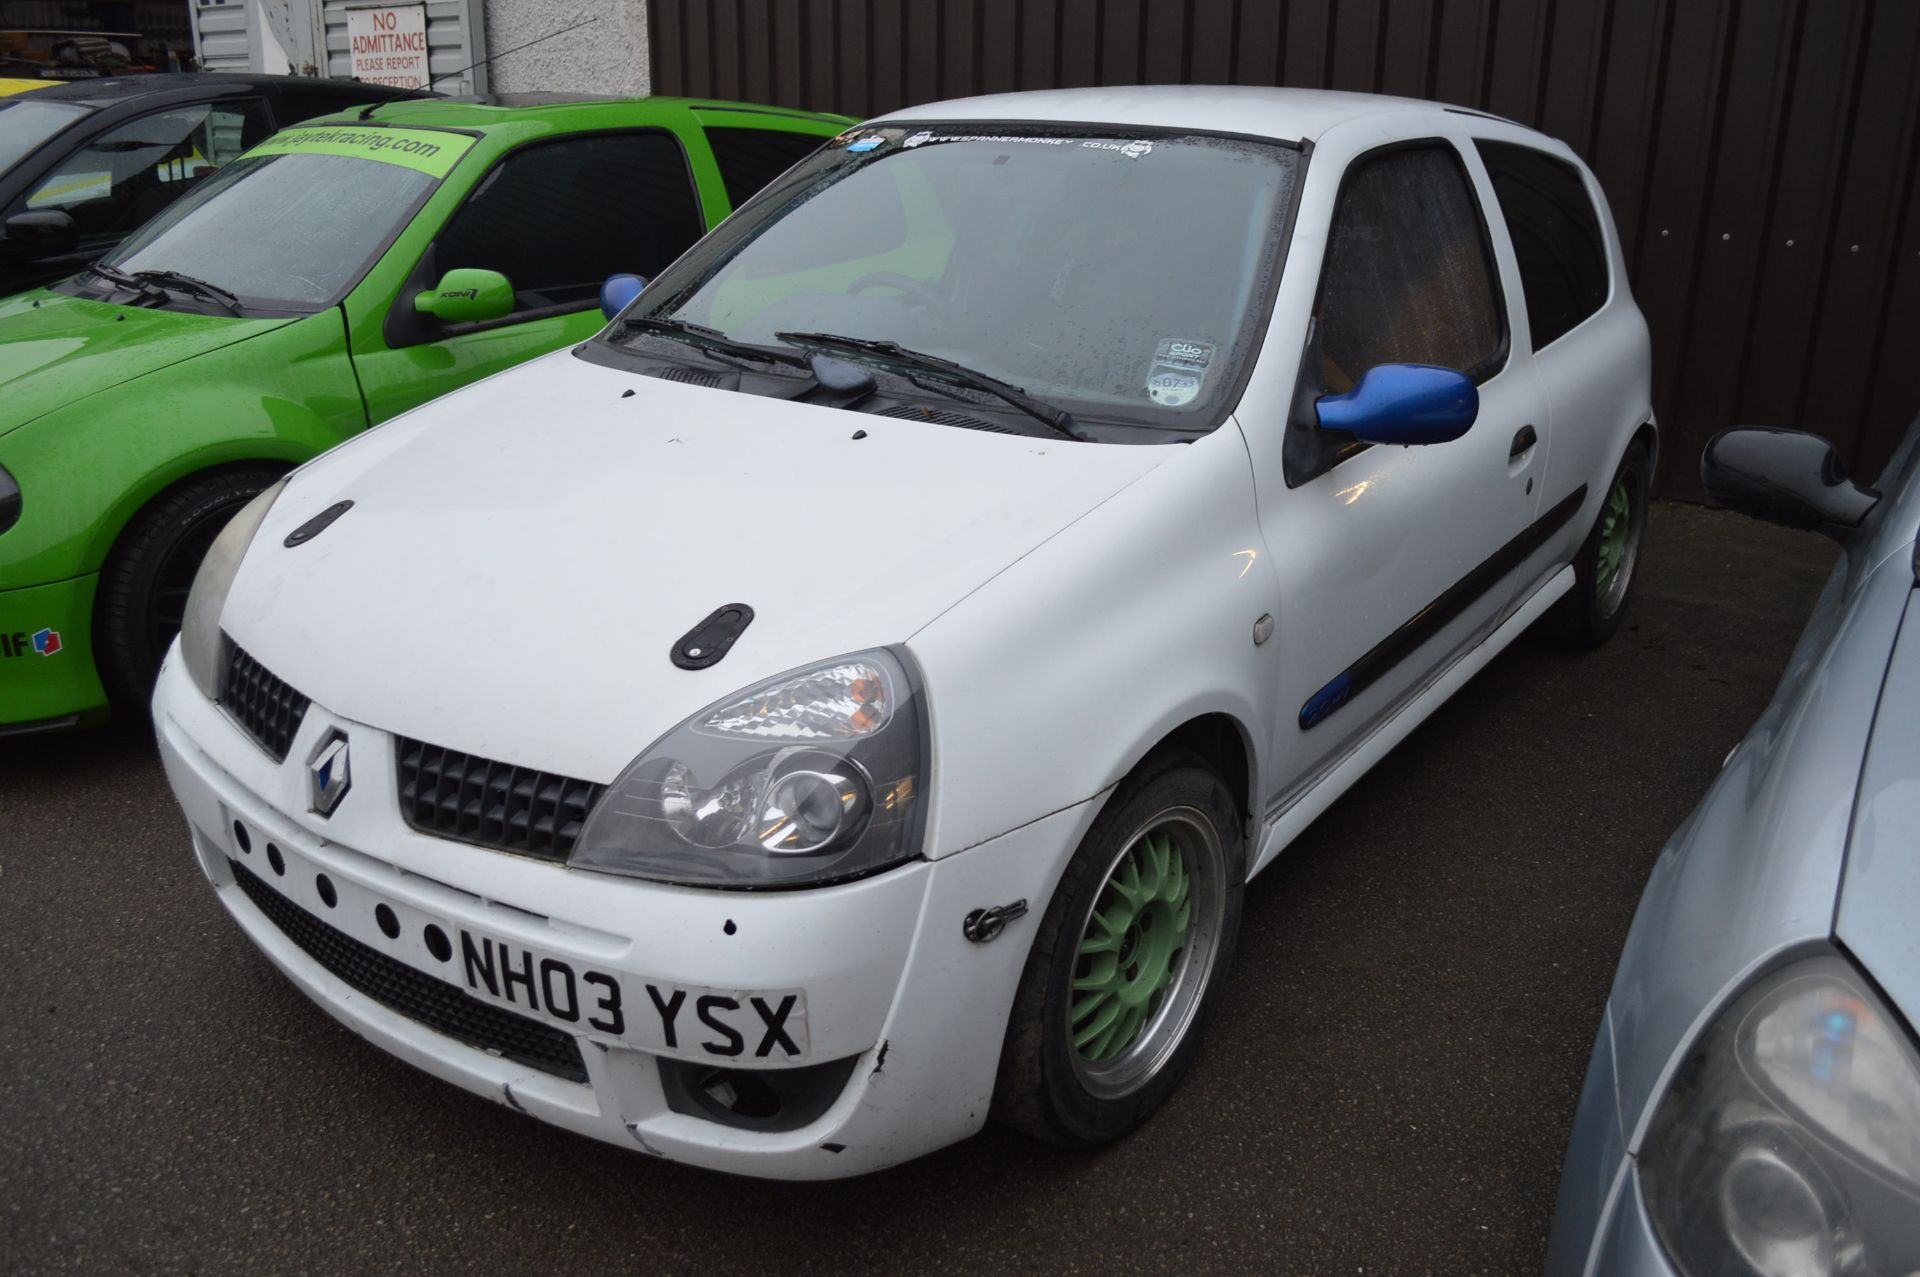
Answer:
[(1753, 1103)]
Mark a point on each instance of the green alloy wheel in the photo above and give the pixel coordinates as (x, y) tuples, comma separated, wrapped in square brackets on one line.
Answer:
[(1619, 543), (1124, 965), (1146, 950), (1604, 567)]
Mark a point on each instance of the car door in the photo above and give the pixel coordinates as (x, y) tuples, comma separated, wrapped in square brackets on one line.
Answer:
[(119, 179), (1560, 252), (556, 218), (1393, 560)]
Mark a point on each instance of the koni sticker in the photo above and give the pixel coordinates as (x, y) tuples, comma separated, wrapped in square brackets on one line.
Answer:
[(1179, 371)]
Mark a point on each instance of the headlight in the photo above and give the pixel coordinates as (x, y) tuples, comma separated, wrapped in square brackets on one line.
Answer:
[(9, 500), (200, 645), (809, 778), (1788, 1144)]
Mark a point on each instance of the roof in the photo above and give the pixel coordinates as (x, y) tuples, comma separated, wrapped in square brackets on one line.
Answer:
[(118, 88), (501, 108), (10, 87), (1291, 114)]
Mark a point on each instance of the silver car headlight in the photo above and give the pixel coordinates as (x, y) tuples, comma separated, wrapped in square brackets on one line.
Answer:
[(1788, 1143), (200, 641), (809, 778)]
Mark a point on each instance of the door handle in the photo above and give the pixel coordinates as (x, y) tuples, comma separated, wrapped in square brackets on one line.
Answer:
[(1522, 441)]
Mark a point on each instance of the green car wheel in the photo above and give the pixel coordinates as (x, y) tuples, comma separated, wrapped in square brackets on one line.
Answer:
[(1120, 980), (144, 584)]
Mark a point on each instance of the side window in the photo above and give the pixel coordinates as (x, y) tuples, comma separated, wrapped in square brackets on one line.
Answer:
[(1408, 278), (120, 179), (558, 218), (1556, 237), (750, 158)]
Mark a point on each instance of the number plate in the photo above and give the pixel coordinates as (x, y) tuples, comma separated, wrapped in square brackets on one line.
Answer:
[(653, 1015)]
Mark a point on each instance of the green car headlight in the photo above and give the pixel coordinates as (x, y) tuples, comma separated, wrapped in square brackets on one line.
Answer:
[(9, 500), (200, 641)]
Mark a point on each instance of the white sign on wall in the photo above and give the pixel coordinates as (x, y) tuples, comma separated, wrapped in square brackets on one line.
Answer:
[(388, 45)]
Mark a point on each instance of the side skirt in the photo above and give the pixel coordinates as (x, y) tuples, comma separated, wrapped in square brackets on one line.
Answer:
[(1284, 827)]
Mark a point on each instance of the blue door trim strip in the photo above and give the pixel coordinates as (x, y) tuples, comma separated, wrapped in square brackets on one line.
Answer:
[(1435, 616)]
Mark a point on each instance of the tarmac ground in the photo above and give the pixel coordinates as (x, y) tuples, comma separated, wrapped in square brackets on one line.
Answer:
[(1387, 1086)]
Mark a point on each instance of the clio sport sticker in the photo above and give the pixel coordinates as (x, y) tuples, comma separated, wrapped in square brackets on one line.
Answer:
[(1179, 371)]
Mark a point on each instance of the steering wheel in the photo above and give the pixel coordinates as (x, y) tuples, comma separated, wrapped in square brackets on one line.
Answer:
[(922, 296)]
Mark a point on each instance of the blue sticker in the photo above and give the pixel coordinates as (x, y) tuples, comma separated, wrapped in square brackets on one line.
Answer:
[(869, 143)]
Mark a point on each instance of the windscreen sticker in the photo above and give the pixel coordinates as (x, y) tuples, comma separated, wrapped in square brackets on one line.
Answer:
[(428, 151), (860, 141), (922, 138), (1179, 371), (1132, 150)]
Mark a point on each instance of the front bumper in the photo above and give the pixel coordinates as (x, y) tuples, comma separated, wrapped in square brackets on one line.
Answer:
[(1601, 1224), (47, 675), (900, 1020)]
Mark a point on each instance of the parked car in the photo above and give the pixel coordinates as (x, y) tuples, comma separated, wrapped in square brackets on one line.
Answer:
[(86, 162), (334, 276), (1753, 1101), (845, 698)]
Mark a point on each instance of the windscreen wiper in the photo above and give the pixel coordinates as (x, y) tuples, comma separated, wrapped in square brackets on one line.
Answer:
[(173, 279), (114, 275), (1059, 420), (712, 340)]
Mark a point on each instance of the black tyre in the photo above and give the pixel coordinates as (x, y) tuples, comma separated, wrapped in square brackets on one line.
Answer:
[(144, 584), (1127, 960), (1605, 567)]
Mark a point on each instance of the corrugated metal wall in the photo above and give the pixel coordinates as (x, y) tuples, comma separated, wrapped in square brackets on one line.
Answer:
[(1760, 154)]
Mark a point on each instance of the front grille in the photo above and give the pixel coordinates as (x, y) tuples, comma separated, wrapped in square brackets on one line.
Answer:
[(269, 709), (478, 800), (418, 996)]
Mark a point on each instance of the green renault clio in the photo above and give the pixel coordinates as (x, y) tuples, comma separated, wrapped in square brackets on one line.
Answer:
[(337, 274)]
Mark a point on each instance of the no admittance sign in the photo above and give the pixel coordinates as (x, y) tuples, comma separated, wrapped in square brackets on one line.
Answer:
[(389, 45)]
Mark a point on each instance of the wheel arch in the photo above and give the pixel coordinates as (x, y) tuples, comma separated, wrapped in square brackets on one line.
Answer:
[(1220, 739), (1648, 433), (155, 485)]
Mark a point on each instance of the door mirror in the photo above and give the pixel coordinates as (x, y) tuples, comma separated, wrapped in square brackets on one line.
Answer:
[(41, 232), (467, 296), (618, 293), (1404, 403), (1787, 477)]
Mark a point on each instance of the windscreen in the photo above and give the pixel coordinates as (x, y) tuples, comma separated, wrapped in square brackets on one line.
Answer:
[(1115, 274), (25, 124), (286, 231)]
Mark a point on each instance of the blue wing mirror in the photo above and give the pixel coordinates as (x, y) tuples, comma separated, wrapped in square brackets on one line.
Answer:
[(618, 292), (1404, 403)]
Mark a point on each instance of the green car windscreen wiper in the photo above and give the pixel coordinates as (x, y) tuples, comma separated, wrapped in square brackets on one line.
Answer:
[(712, 340), (114, 275), (1059, 420), (174, 280)]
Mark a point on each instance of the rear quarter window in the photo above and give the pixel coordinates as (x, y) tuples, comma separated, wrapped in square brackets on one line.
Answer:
[(750, 158), (1556, 237)]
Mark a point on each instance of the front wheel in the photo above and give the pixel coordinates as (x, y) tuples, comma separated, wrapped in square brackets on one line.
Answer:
[(1605, 567), (1126, 961), (143, 587)]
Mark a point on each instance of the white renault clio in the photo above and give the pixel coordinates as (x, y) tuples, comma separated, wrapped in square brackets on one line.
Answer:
[(845, 699)]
